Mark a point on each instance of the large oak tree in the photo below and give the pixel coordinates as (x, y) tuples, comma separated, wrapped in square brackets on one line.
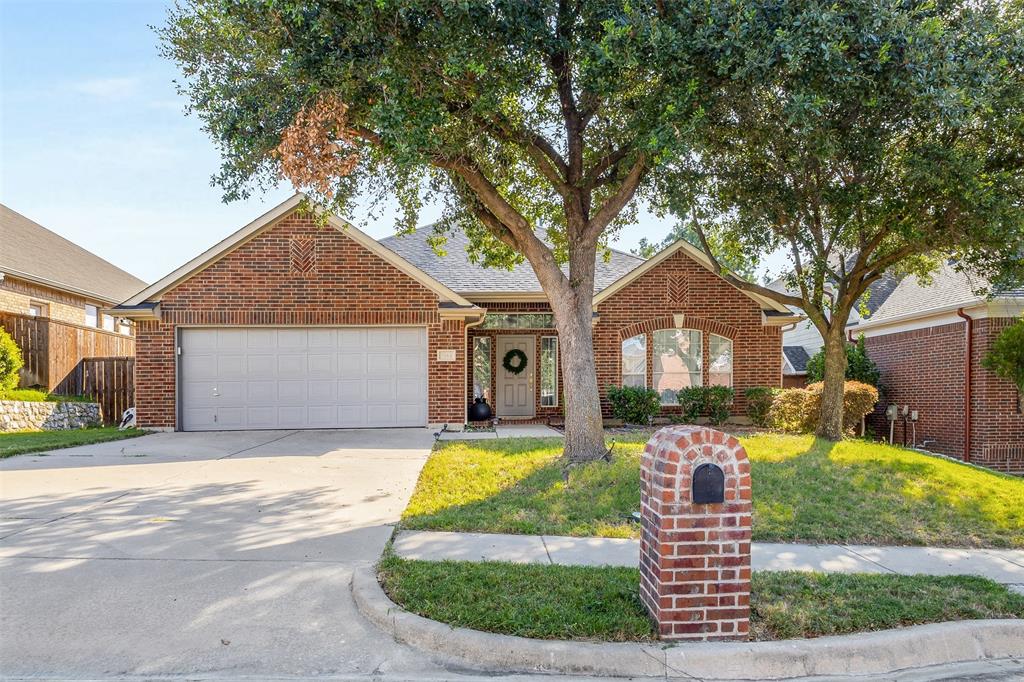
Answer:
[(519, 116), (877, 136)]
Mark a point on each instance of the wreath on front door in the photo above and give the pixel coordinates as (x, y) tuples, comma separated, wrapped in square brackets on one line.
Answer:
[(514, 361)]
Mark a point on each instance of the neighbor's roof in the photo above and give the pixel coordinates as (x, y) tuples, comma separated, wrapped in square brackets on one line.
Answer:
[(798, 357), (948, 289), (34, 253), (458, 272)]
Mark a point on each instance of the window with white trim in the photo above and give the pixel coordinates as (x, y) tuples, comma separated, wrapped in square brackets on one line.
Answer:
[(108, 322), (634, 361), (677, 362), (92, 316), (549, 371), (719, 361), (482, 367)]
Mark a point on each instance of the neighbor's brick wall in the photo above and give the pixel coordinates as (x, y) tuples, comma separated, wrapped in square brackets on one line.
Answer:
[(681, 285), (924, 368), (16, 295), (258, 284)]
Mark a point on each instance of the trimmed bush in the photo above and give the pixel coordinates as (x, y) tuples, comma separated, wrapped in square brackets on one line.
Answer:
[(634, 404), (796, 409), (759, 402), (790, 411), (858, 400), (1006, 358), (691, 402), (10, 362)]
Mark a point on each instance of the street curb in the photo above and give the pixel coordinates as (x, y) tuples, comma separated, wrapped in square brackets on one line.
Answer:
[(882, 652)]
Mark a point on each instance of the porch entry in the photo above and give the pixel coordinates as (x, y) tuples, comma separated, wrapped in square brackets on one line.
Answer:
[(516, 392)]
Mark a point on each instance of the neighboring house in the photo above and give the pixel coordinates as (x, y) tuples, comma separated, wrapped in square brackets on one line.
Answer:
[(45, 275), (289, 324), (928, 341), (803, 340), (52, 297)]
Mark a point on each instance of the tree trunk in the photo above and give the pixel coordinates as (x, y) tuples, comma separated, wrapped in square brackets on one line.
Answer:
[(830, 422), (584, 427)]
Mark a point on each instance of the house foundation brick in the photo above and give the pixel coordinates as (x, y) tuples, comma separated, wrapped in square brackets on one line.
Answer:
[(695, 558)]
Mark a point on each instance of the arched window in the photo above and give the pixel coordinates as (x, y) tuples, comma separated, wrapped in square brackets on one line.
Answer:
[(677, 362), (634, 361), (720, 361)]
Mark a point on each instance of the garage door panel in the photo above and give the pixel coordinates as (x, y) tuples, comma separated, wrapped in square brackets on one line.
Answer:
[(291, 365), (265, 378)]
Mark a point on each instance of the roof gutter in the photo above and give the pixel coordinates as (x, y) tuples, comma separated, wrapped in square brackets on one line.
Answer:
[(968, 352)]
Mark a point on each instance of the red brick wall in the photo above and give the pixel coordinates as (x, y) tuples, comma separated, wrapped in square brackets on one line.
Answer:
[(332, 281), (681, 285), (924, 368)]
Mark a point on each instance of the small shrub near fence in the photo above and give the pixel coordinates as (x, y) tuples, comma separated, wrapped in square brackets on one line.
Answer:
[(10, 362), (797, 409)]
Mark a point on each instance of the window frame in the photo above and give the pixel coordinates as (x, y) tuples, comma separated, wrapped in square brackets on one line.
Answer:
[(43, 308), (103, 323), (622, 361), (95, 311), (699, 372), (711, 359), (485, 389), (553, 340), (518, 320)]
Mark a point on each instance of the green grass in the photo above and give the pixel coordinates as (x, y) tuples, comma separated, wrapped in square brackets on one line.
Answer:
[(32, 395), (804, 490), (578, 602), (21, 442)]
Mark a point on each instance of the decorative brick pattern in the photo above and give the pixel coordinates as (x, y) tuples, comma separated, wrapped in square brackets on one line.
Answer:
[(257, 284), (924, 368), (303, 253), (695, 558)]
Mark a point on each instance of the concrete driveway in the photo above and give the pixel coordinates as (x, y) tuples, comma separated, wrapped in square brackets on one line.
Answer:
[(201, 553)]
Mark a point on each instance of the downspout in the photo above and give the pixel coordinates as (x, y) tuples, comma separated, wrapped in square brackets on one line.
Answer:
[(969, 321), (468, 365)]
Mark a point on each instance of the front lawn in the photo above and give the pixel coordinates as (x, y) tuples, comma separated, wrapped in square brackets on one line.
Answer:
[(804, 490), (21, 442), (579, 602)]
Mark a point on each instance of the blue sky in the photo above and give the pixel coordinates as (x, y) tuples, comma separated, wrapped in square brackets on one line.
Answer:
[(95, 146)]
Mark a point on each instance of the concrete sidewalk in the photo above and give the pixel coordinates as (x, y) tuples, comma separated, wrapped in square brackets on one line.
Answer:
[(1001, 565), (506, 430)]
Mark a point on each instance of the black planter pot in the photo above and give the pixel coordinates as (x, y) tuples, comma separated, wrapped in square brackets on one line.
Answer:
[(479, 411)]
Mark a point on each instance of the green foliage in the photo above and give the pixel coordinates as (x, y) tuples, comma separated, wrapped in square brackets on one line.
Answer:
[(634, 404), (796, 410), (859, 367), (10, 362), (1006, 359), (759, 402), (691, 403)]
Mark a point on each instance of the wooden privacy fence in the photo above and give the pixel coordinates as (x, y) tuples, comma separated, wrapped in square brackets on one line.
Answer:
[(108, 381), (71, 359)]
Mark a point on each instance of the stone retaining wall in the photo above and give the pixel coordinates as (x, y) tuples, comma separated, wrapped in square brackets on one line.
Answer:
[(19, 415)]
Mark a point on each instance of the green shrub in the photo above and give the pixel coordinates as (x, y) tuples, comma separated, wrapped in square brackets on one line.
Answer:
[(28, 395), (634, 404), (790, 411), (859, 367), (691, 402), (858, 400), (10, 362), (797, 409), (1006, 358), (713, 401), (717, 401), (759, 401)]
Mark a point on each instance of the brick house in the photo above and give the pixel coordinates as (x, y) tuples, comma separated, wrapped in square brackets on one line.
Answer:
[(929, 341), (289, 323), (44, 275)]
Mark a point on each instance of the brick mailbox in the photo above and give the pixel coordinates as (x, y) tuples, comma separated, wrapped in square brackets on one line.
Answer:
[(695, 534)]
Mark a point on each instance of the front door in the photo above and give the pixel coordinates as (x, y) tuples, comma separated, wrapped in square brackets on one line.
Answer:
[(515, 391)]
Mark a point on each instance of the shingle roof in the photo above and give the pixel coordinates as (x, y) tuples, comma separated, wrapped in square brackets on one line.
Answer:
[(32, 251), (948, 288), (457, 272), (797, 357)]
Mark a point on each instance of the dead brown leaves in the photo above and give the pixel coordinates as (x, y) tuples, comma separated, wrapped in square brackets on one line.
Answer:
[(318, 147)]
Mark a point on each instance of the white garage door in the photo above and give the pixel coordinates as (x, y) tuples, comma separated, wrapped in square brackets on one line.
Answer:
[(302, 378)]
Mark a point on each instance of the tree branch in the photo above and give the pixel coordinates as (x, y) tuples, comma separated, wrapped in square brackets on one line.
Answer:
[(614, 204)]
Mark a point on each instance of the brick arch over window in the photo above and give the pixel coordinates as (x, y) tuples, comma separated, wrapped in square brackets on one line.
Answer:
[(669, 322)]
